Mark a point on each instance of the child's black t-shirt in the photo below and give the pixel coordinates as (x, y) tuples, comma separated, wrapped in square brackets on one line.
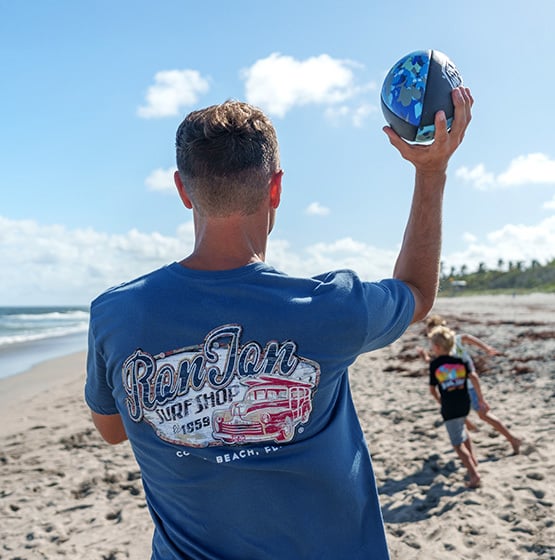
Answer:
[(450, 374)]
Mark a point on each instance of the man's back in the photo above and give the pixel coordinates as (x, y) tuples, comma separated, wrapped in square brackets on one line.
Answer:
[(234, 393), (230, 379)]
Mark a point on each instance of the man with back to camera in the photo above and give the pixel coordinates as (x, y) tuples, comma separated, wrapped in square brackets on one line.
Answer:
[(230, 378)]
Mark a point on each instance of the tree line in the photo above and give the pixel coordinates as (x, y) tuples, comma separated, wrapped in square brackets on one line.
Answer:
[(510, 276)]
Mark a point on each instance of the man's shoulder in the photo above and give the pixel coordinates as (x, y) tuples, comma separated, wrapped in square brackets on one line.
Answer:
[(125, 288)]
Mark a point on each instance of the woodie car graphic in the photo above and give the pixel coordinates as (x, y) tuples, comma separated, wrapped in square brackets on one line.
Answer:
[(271, 409)]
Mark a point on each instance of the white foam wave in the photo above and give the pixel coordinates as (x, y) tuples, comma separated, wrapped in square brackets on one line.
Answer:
[(51, 316), (50, 333)]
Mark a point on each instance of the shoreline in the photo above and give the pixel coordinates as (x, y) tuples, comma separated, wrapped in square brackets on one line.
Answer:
[(22, 395), (17, 358)]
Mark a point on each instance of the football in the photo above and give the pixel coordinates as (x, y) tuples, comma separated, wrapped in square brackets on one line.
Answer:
[(415, 89)]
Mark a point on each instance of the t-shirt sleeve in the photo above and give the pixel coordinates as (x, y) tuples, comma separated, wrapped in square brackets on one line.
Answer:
[(98, 393), (390, 304), (361, 316), (433, 378)]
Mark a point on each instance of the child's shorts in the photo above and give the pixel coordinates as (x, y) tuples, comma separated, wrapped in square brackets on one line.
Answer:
[(456, 431)]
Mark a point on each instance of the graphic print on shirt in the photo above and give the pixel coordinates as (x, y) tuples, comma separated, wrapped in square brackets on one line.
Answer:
[(222, 391), (451, 376)]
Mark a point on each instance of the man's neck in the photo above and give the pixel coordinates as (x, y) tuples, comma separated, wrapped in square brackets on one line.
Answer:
[(197, 261), (228, 243)]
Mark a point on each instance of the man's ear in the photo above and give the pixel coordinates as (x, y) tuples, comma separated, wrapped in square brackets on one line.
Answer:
[(181, 190), (275, 189)]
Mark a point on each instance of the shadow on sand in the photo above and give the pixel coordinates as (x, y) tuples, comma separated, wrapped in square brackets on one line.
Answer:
[(420, 493)]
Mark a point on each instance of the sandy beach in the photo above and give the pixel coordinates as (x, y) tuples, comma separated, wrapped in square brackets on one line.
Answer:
[(66, 494)]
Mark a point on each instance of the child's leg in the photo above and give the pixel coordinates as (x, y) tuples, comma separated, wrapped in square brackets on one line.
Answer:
[(474, 403), (467, 443), (468, 462), (470, 426), (463, 446), (497, 425)]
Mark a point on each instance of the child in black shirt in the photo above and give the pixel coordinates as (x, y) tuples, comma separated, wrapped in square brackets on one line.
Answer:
[(448, 385)]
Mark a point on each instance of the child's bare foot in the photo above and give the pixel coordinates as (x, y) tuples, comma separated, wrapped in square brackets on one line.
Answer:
[(474, 482), (516, 443)]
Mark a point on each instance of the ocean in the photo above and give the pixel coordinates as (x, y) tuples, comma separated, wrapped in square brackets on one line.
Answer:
[(30, 335)]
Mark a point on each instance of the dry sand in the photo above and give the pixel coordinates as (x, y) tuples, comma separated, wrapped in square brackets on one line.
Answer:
[(66, 494)]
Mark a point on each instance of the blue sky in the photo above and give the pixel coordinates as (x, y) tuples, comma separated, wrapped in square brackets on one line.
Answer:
[(93, 91)]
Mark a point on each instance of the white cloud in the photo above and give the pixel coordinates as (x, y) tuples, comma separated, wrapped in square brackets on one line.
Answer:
[(338, 113), (512, 242), (54, 265), (161, 180), (278, 83), (50, 264), (532, 168), (357, 115), (477, 175), (535, 169), (361, 114), (550, 204), (316, 209), (371, 263), (173, 89)]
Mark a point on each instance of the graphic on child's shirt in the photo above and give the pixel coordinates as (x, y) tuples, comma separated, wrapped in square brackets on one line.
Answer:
[(221, 391), (451, 376)]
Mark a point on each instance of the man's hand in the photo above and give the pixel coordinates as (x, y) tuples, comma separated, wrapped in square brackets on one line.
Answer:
[(433, 158)]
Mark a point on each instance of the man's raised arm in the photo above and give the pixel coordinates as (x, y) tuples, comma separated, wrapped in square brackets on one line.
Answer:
[(418, 260)]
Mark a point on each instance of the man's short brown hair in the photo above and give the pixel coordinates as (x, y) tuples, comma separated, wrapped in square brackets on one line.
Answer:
[(226, 156)]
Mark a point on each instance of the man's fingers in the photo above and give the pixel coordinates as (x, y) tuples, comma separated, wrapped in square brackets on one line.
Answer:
[(462, 101), (440, 123), (395, 139)]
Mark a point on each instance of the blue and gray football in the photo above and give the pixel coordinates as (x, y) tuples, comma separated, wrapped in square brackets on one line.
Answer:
[(415, 89)]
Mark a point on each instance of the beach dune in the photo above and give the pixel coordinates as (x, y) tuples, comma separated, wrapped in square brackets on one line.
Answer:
[(67, 494)]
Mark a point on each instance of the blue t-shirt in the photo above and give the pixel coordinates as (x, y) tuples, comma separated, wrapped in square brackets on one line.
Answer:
[(233, 390)]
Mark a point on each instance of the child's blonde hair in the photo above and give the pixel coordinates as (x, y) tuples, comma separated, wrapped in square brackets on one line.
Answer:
[(443, 337), (435, 321)]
